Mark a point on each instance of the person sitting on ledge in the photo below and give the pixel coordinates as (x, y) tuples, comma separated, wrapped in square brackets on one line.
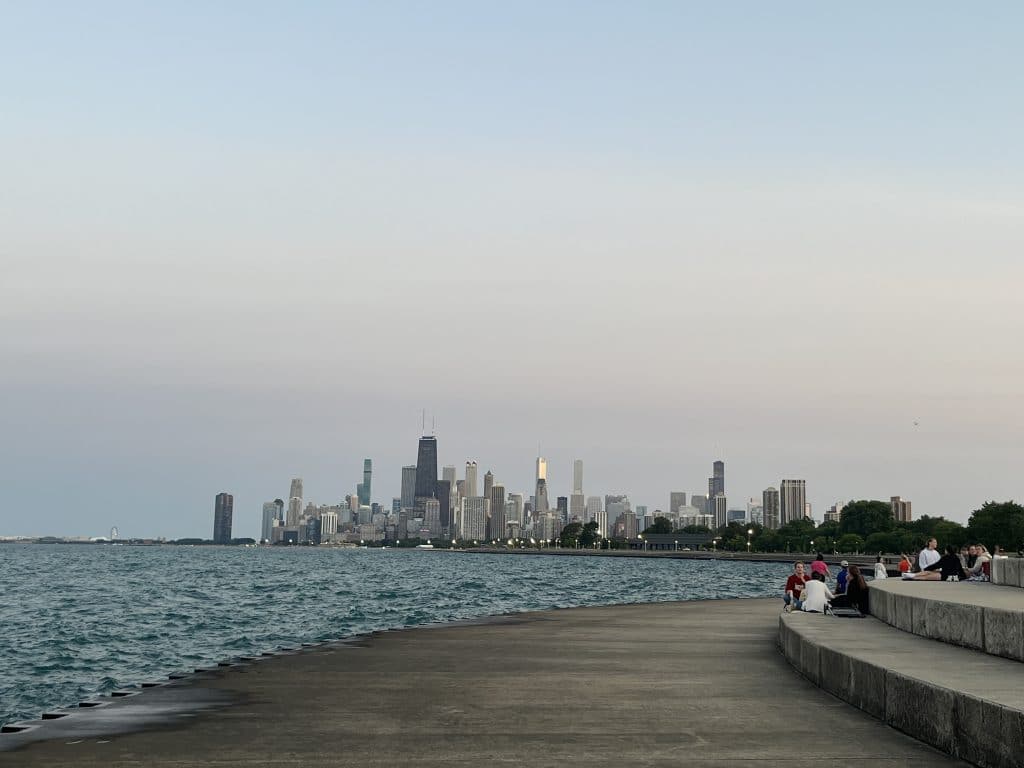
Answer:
[(842, 577), (982, 558), (946, 566), (795, 587), (880, 572), (928, 556), (817, 594), (856, 592)]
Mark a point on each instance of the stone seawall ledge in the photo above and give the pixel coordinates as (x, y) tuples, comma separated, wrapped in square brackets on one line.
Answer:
[(688, 683)]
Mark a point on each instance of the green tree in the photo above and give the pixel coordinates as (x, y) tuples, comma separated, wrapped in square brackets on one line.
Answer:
[(589, 535), (660, 525), (865, 517), (998, 523), (850, 542), (571, 534), (883, 542), (695, 529)]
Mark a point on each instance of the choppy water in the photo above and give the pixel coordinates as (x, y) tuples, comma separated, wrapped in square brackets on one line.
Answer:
[(80, 620)]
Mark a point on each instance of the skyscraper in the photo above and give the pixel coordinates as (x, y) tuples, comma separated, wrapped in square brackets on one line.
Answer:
[(577, 506), (488, 484), (541, 505), (718, 476), (469, 490), (473, 524), (426, 468), (517, 501), (721, 510), (269, 516), (792, 500), (294, 501), (448, 473), (363, 489), (676, 499), (223, 506), (498, 522), (593, 508), (408, 486), (444, 499), (770, 504), (577, 476)]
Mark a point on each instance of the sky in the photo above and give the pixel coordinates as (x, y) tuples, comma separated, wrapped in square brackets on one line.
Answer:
[(242, 242)]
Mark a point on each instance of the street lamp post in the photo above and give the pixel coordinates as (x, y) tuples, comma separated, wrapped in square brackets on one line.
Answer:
[(750, 532)]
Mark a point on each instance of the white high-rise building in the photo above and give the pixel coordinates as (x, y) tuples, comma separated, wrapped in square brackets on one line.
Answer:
[(473, 523), (577, 476), (469, 488), (328, 524), (542, 468), (594, 505), (296, 488), (601, 517)]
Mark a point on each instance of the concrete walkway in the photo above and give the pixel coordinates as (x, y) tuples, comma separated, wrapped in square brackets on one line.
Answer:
[(695, 684)]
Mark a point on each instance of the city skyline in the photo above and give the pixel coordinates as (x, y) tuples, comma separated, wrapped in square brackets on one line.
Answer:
[(787, 237)]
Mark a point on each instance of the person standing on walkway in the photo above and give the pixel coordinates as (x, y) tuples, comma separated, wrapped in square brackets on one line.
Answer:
[(820, 566), (795, 587), (929, 555)]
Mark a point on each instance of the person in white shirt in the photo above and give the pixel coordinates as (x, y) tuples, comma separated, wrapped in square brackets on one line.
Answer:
[(929, 555), (880, 568), (816, 594)]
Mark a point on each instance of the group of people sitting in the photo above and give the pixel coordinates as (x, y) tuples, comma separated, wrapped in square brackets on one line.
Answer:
[(954, 565), (811, 593)]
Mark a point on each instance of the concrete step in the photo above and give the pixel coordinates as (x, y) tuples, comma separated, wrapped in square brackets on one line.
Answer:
[(975, 615), (1008, 571), (964, 702)]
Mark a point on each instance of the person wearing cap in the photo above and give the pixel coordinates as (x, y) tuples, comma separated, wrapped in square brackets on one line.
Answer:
[(842, 577)]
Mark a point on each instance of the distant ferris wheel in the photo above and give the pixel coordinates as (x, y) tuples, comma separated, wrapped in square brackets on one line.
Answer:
[(113, 533)]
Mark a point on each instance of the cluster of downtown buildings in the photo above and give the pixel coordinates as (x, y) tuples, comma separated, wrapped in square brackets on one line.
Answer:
[(441, 506)]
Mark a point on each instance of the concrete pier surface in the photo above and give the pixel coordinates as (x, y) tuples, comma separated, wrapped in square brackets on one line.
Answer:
[(667, 684)]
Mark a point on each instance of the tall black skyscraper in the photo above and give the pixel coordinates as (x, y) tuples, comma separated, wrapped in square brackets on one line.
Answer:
[(718, 476), (426, 468), (223, 507), (444, 498)]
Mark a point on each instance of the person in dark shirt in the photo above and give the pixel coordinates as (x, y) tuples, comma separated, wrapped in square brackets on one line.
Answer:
[(948, 565), (856, 595)]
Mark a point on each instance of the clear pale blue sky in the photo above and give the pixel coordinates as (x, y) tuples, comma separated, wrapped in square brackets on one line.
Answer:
[(242, 242)]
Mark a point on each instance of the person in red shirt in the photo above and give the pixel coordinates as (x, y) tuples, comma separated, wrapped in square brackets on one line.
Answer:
[(905, 564), (795, 588)]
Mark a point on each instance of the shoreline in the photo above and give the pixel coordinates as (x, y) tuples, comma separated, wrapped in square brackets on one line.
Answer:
[(787, 558)]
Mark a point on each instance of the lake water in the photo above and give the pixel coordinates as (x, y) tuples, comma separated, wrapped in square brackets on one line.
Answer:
[(76, 621)]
